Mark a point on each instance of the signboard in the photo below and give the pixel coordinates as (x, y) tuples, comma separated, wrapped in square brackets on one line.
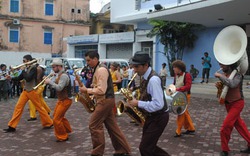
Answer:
[(83, 39)]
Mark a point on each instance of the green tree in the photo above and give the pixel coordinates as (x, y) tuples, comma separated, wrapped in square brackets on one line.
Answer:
[(175, 36)]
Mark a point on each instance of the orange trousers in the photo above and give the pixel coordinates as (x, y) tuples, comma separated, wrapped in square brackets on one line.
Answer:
[(44, 104), (61, 124), (23, 99), (185, 120)]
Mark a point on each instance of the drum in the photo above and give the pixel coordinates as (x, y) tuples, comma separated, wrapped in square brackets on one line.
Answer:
[(177, 102)]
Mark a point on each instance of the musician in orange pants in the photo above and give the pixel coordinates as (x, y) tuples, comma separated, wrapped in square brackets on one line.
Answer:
[(32, 108), (62, 86), (183, 82), (28, 74)]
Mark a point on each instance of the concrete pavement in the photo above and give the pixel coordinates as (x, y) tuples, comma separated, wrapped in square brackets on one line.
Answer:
[(30, 139)]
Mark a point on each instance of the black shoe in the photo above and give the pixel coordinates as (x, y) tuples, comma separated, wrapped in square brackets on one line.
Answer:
[(202, 81), (177, 135), (247, 150), (31, 119), (62, 140), (207, 81), (9, 130), (189, 132), (224, 153), (48, 127)]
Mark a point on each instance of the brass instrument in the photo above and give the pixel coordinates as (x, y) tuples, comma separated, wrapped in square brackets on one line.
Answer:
[(132, 112), (42, 82), (84, 98), (27, 63), (236, 37)]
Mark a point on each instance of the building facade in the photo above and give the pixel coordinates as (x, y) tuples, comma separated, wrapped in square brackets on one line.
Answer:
[(109, 39), (39, 27), (207, 13)]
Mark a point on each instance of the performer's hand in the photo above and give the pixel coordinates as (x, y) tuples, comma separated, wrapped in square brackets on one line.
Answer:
[(217, 74), (133, 102), (83, 89), (47, 81)]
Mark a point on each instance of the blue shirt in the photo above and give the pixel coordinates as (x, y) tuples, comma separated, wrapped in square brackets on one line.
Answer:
[(207, 61), (155, 90)]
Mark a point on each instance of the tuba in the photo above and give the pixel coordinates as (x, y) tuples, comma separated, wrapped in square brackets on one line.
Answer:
[(177, 101), (229, 48), (84, 98), (132, 112)]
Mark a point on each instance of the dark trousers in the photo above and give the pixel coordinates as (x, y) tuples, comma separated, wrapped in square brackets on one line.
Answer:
[(205, 73), (152, 130)]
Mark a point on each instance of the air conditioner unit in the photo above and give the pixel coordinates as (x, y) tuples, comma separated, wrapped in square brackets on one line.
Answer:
[(16, 21)]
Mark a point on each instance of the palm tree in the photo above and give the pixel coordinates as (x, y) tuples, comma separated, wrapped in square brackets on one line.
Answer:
[(175, 36)]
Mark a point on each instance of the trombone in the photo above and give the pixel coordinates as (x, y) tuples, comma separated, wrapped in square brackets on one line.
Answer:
[(47, 77), (28, 63)]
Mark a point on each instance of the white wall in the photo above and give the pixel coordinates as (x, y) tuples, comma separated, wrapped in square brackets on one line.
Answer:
[(16, 58)]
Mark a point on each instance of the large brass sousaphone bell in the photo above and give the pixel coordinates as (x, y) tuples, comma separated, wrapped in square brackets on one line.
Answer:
[(177, 101)]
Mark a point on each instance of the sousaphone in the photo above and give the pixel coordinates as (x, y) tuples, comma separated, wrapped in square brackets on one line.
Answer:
[(229, 48)]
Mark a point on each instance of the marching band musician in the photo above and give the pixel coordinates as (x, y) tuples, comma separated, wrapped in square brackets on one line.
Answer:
[(32, 108), (234, 103), (104, 94), (29, 74), (62, 86), (153, 105), (183, 83)]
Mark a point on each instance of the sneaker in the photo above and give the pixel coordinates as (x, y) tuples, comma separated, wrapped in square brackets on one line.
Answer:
[(207, 81), (31, 119), (189, 132), (9, 130), (177, 135), (202, 81), (247, 150), (224, 153)]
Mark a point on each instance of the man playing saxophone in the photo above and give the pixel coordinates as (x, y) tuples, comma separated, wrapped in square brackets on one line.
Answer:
[(234, 103), (62, 86), (103, 115), (29, 75), (152, 104)]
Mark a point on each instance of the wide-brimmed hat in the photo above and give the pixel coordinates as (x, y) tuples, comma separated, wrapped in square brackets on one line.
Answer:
[(57, 61), (140, 58)]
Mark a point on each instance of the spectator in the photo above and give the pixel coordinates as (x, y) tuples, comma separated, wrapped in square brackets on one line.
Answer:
[(206, 62), (163, 74), (193, 71)]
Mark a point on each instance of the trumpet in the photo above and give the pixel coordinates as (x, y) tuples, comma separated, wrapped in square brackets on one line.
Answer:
[(28, 63), (47, 77)]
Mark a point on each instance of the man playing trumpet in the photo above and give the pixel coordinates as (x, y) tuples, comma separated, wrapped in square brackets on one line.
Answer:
[(29, 75), (234, 103), (62, 86)]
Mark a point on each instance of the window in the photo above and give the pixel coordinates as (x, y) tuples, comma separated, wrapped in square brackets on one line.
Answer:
[(79, 11), (49, 7), (14, 35), (47, 36), (14, 5)]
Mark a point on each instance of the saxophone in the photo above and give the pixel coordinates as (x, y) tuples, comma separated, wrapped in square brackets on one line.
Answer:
[(132, 112), (84, 98)]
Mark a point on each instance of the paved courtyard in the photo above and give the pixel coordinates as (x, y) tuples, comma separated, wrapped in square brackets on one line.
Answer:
[(30, 139)]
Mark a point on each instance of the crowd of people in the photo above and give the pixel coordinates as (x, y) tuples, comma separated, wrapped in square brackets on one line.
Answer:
[(102, 83)]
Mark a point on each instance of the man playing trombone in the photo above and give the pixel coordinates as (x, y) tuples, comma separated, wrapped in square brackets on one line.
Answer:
[(29, 75)]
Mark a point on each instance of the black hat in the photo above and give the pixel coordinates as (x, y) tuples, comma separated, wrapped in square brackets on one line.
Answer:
[(140, 58)]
